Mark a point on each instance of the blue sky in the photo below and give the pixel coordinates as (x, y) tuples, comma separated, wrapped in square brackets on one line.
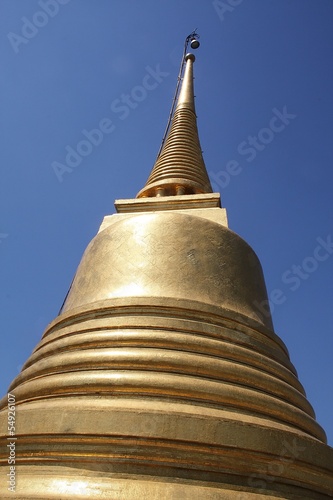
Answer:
[(67, 67)]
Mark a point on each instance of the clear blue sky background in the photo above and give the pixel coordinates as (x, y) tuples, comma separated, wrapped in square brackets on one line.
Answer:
[(255, 57)]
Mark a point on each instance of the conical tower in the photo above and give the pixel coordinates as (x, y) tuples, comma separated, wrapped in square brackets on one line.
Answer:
[(180, 168), (161, 378)]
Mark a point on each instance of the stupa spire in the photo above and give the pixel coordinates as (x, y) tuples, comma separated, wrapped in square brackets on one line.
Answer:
[(180, 168), (162, 377)]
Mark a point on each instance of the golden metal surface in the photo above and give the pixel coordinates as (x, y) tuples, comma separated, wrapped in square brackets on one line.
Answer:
[(161, 378), (131, 398), (180, 168), (163, 255)]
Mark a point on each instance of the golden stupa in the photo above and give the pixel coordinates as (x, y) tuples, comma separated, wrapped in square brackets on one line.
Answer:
[(160, 379)]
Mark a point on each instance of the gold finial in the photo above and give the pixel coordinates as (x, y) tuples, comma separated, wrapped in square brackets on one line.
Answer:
[(179, 167)]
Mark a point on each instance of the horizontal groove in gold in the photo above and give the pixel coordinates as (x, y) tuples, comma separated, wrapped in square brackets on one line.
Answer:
[(165, 453), (169, 339), (166, 313), (112, 447), (165, 385), (165, 361)]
